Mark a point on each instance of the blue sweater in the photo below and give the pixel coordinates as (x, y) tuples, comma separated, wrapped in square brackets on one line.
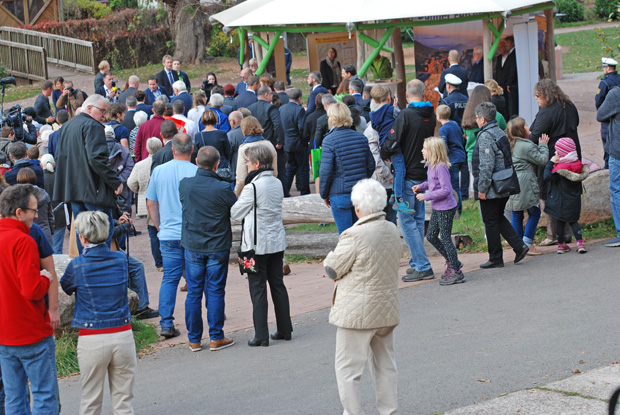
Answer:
[(453, 136), (382, 120)]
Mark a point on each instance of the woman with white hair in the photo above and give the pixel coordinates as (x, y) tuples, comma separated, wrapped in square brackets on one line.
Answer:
[(138, 118), (138, 182), (365, 305), (98, 277), (216, 102)]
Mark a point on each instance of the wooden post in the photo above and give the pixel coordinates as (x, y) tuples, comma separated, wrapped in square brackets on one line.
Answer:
[(486, 46), (401, 75), (550, 46)]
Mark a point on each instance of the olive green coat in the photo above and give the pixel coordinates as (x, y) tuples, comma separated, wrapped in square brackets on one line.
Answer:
[(526, 158)]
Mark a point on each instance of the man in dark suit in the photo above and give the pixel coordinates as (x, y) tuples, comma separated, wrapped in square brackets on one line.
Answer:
[(108, 90), (314, 82), (166, 77), (226, 107), (140, 97), (153, 91), (510, 77), (229, 99), (243, 85), (42, 104), (181, 94), (477, 69), (355, 89), (248, 98), (134, 84), (128, 122), (279, 87), (176, 66), (455, 69), (292, 116), (104, 67), (269, 117)]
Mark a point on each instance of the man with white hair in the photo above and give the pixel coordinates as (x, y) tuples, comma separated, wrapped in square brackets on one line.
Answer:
[(477, 69), (180, 93), (216, 102), (178, 108), (134, 84), (235, 137), (83, 174)]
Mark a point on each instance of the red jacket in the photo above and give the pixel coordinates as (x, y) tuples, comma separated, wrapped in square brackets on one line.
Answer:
[(23, 317), (148, 129)]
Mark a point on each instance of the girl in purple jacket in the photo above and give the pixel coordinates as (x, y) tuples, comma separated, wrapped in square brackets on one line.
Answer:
[(439, 193)]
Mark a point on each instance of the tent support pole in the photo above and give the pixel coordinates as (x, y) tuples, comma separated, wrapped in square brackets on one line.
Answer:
[(242, 43), (487, 64), (550, 46), (375, 52), (401, 75), (373, 42), (270, 48), (498, 35)]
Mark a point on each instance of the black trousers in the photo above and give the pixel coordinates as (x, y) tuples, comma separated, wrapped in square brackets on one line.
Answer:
[(269, 269), (282, 169), (299, 167), (496, 226)]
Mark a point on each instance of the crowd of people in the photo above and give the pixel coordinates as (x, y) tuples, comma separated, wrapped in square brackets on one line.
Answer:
[(192, 162)]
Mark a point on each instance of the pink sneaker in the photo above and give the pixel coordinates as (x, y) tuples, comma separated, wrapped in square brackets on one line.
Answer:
[(562, 247), (581, 248)]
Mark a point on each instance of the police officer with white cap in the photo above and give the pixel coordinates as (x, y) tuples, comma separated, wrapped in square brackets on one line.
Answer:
[(455, 99), (610, 80)]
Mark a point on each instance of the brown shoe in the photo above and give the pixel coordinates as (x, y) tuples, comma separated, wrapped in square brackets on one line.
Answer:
[(286, 269), (533, 251), (195, 347), (221, 344), (184, 288), (160, 269)]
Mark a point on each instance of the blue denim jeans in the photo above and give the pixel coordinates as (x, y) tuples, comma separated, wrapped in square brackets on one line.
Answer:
[(58, 238), (398, 162), (614, 190), (533, 216), (454, 180), (78, 207), (205, 273), (412, 227), (155, 251), (173, 256), (1, 394), (37, 363), (137, 281), (343, 211)]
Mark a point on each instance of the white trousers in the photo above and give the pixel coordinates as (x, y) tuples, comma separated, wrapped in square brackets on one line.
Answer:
[(113, 354), (355, 348)]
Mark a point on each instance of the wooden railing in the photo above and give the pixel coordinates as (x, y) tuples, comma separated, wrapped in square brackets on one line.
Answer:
[(23, 60), (61, 50)]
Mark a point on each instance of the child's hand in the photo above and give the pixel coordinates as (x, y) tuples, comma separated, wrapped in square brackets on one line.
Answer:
[(544, 138), (420, 196), (555, 159), (415, 189)]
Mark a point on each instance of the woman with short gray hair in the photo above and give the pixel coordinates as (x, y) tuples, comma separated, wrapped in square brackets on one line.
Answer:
[(365, 305), (98, 277)]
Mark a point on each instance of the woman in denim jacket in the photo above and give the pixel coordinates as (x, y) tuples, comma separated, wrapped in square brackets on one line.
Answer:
[(98, 277)]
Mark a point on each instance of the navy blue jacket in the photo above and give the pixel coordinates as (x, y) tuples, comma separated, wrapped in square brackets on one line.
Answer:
[(292, 116), (312, 98), (206, 200), (187, 101), (345, 160), (150, 96), (477, 72), (52, 144), (454, 70), (146, 108), (245, 99), (455, 143), (11, 175), (457, 103)]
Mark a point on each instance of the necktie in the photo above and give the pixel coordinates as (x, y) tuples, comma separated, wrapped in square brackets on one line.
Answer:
[(171, 78)]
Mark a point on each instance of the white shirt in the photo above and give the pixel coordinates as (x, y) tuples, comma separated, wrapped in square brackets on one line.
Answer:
[(190, 126)]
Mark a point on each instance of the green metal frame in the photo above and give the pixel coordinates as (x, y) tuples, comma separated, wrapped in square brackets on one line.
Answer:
[(373, 42), (498, 35), (241, 33), (375, 52), (270, 48)]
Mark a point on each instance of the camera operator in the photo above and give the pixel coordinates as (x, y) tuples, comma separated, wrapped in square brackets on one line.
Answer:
[(15, 119), (71, 98)]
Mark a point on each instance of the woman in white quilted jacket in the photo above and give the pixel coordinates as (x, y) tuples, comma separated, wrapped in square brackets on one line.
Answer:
[(365, 304)]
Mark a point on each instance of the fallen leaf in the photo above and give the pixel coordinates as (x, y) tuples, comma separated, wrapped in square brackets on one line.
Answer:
[(576, 371), (581, 362), (484, 380)]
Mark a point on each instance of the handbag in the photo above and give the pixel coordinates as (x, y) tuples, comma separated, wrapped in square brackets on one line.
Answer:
[(247, 259), (315, 161), (505, 180)]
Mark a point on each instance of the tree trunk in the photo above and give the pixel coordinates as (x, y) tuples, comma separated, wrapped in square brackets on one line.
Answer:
[(190, 28)]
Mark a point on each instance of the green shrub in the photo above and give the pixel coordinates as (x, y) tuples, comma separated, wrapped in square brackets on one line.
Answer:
[(573, 10), (85, 9), (124, 4), (607, 9), (220, 43)]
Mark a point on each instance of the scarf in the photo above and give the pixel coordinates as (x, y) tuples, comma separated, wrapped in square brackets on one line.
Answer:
[(251, 175), (335, 65)]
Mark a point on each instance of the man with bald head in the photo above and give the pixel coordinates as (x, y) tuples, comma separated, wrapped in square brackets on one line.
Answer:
[(134, 84), (235, 137), (454, 69)]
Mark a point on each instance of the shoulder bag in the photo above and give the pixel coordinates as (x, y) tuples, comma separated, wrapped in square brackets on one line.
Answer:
[(505, 180), (247, 259)]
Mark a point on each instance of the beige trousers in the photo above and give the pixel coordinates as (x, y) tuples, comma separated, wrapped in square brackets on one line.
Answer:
[(113, 354), (355, 348)]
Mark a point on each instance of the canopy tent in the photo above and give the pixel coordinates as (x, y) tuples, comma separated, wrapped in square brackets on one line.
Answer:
[(297, 16)]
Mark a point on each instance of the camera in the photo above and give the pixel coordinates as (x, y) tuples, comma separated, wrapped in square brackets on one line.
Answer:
[(114, 84), (71, 90)]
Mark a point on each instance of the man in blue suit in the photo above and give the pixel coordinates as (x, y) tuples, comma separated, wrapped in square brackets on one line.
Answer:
[(140, 96), (180, 93), (455, 69), (314, 82), (355, 89), (243, 85), (248, 97), (153, 91)]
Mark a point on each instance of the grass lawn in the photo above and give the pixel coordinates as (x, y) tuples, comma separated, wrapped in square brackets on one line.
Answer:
[(66, 346), (584, 54), (14, 93)]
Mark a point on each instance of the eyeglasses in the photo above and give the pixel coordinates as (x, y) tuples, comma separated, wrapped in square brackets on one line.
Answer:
[(36, 211), (101, 110)]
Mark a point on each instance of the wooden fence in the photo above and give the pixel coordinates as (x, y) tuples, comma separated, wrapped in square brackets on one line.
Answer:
[(74, 53), (23, 60)]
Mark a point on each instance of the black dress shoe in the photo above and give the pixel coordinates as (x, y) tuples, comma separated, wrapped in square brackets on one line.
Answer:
[(170, 332), (521, 254), (146, 313), (255, 342), (280, 336), (491, 264)]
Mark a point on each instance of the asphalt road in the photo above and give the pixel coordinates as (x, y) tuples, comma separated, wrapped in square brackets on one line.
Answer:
[(503, 330)]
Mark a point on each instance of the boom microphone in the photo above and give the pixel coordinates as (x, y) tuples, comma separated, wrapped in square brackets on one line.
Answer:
[(8, 81)]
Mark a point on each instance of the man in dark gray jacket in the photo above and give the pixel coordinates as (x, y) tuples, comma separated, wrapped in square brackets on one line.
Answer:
[(84, 177), (609, 112), (293, 116)]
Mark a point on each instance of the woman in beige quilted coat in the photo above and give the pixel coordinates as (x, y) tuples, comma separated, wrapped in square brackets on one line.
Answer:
[(365, 304)]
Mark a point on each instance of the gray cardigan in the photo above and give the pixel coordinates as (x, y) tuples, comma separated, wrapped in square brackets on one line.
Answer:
[(608, 112)]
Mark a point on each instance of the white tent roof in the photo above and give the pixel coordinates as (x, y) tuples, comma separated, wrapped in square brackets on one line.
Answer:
[(288, 12)]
